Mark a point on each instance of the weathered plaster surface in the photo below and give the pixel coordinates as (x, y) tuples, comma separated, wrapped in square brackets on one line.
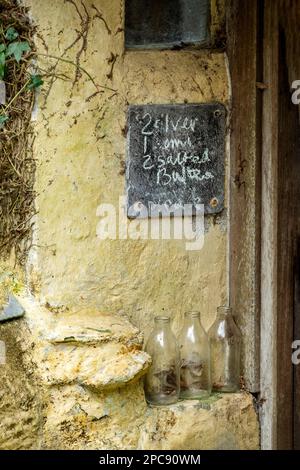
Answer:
[(80, 147)]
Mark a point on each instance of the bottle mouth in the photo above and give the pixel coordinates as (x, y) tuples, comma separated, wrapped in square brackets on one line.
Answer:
[(224, 310), (162, 319), (192, 314)]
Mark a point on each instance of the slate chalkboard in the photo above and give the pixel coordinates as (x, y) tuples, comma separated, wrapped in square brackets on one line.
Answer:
[(175, 156), (167, 23)]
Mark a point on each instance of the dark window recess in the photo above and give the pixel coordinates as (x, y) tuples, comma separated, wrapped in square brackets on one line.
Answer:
[(166, 24)]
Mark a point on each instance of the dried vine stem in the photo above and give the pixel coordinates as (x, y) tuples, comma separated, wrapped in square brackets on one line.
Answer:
[(77, 66), (17, 165)]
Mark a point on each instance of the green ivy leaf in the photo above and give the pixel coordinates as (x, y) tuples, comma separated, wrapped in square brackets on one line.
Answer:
[(2, 65), (2, 47), (11, 34), (3, 119), (17, 49), (35, 82)]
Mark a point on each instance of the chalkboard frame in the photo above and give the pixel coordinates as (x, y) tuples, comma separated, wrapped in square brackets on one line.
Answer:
[(140, 200)]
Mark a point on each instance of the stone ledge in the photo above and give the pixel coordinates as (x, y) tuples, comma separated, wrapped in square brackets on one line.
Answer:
[(88, 347), (221, 422)]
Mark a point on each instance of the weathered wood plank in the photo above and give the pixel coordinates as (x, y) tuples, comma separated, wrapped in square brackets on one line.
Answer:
[(269, 248), (243, 29)]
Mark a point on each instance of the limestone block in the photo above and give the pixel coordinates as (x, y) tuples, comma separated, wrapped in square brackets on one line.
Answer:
[(87, 347), (222, 422), (120, 370), (92, 326), (107, 366), (79, 418)]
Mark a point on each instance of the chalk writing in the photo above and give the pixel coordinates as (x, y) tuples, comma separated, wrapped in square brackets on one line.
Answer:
[(176, 155)]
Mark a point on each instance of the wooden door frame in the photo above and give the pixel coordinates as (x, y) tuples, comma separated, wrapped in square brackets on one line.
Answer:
[(245, 68), (279, 227), (256, 238)]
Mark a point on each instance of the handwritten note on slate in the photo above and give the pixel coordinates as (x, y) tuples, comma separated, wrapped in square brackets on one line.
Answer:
[(175, 156)]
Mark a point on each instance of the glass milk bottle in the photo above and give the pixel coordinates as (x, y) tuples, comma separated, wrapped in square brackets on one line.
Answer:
[(225, 341), (195, 358), (162, 379)]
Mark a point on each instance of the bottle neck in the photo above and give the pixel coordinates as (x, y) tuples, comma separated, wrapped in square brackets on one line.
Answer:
[(161, 323), (224, 312), (192, 318)]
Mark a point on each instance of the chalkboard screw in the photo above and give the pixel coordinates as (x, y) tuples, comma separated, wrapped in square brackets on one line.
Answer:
[(217, 113), (214, 202)]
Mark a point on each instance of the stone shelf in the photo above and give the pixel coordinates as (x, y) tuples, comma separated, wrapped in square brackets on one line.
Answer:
[(227, 421), (87, 347)]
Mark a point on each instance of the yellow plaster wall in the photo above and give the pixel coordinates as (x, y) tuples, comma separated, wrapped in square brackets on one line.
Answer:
[(80, 149)]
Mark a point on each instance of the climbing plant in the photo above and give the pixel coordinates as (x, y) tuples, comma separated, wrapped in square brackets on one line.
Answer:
[(11, 48), (19, 80)]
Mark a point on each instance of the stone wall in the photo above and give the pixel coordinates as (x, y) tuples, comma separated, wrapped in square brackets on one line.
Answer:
[(80, 148), (73, 376)]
